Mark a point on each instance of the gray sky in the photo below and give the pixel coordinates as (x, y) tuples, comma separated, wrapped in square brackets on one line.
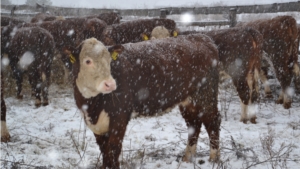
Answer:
[(133, 4)]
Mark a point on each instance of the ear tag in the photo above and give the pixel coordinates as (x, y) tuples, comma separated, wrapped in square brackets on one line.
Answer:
[(72, 58), (114, 55), (145, 37), (175, 33)]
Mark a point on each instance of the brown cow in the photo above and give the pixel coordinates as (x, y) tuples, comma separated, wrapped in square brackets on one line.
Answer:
[(41, 17), (148, 78), (131, 31), (5, 137), (280, 36), (108, 17), (32, 50), (6, 20), (240, 52), (71, 32)]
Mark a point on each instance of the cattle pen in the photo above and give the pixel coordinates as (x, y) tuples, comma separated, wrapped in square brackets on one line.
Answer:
[(56, 136)]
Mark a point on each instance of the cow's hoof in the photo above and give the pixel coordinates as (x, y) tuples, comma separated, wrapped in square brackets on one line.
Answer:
[(244, 121), (287, 105), (45, 103), (253, 120), (5, 138), (38, 103), (279, 101), (268, 95), (20, 97)]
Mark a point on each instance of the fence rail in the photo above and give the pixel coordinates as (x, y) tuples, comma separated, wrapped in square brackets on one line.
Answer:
[(232, 11)]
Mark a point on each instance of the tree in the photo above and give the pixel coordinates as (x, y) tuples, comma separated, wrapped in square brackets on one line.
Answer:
[(5, 2), (41, 2)]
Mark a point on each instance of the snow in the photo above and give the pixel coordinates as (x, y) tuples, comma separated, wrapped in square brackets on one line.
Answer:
[(55, 136)]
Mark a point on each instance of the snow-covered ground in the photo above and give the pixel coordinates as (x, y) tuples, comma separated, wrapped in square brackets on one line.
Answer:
[(55, 136)]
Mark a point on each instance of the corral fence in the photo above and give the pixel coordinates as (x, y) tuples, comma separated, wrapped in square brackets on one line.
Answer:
[(231, 11)]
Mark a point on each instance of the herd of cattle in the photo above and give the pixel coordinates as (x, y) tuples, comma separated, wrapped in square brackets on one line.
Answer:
[(151, 66)]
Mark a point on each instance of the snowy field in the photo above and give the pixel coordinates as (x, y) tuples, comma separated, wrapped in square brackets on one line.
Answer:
[(55, 136)]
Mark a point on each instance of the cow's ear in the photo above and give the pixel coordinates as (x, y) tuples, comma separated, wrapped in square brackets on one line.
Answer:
[(174, 33), (72, 53), (115, 51), (144, 36)]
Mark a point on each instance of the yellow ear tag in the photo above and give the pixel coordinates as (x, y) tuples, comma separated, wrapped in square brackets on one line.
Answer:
[(114, 55), (145, 37), (175, 33), (72, 58)]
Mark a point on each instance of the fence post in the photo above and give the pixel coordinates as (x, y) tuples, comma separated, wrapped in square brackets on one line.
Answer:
[(12, 11), (163, 13), (232, 17)]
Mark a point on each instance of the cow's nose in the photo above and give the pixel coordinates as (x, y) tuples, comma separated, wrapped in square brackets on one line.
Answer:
[(110, 85)]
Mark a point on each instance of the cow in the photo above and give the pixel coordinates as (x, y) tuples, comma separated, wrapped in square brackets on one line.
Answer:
[(109, 17), (32, 50), (6, 20), (71, 32), (5, 136), (132, 31), (41, 17), (280, 41), (149, 77), (159, 32), (240, 52)]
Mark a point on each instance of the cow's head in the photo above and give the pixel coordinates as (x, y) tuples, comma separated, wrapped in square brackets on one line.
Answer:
[(93, 74), (159, 32)]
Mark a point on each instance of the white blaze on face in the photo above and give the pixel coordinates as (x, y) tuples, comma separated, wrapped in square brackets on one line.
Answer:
[(160, 32), (94, 76), (26, 59)]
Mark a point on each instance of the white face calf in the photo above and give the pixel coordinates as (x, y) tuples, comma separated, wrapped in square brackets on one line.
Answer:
[(94, 75), (160, 32)]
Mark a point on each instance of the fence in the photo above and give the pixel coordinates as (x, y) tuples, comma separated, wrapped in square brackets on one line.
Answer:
[(232, 11)]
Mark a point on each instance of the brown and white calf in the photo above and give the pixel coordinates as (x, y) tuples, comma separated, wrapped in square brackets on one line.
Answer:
[(108, 17), (32, 50), (42, 17), (71, 32), (280, 44), (148, 77), (240, 52), (132, 31)]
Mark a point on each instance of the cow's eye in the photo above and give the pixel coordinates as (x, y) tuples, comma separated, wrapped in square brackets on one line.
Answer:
[(88, 62)]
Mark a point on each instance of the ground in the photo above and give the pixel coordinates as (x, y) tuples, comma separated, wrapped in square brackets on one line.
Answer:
[(55, 136)]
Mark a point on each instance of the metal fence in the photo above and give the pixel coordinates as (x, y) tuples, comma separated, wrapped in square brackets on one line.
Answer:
[(232, 11)]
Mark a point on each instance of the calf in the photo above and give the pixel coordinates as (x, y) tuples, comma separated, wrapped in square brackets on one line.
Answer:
[(108, 17), (71, 32), (5, 21), (32, 50), (5, 137), (148, 78), (280, 41), (131, 31), (240, 52), (41, 17)]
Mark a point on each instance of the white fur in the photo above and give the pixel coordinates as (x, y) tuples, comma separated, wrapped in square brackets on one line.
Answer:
[(4, 131), (102, 125), (190, 152)]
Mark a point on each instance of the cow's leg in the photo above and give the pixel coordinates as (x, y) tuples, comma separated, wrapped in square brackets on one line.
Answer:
[(193, 122), (266, 85), (5, 137), (18, 74), (45, 86), (111, 143), (297, 78)]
